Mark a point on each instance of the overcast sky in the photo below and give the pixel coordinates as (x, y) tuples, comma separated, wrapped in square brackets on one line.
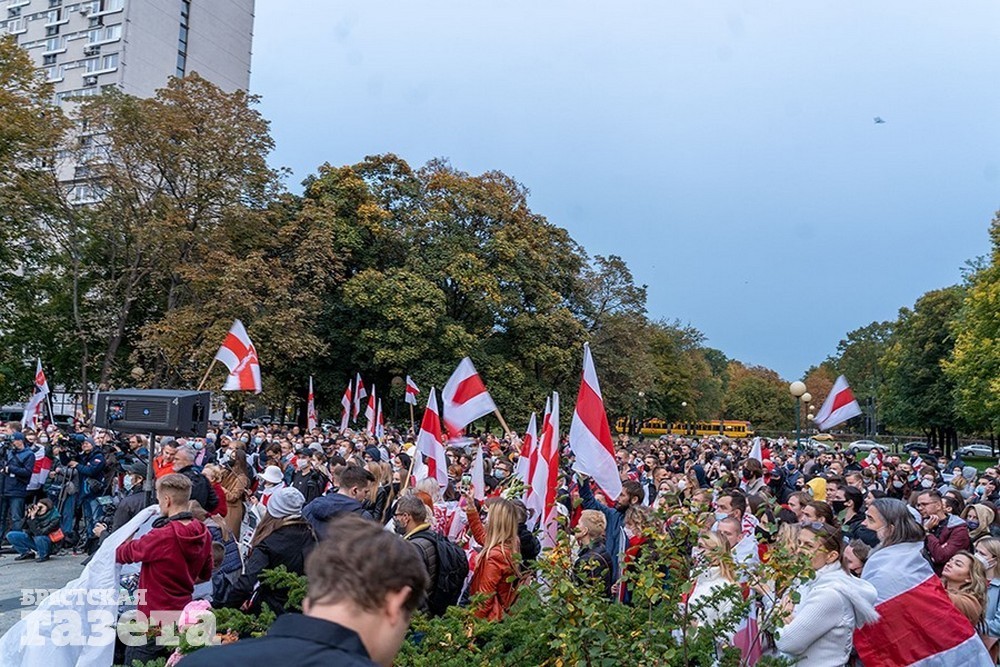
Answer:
[(726, 150)]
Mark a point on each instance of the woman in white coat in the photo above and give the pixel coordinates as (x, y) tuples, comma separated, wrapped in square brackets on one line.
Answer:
[(717, 574), (819, 630)]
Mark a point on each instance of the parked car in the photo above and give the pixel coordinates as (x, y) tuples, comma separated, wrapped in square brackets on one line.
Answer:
[(976, 449), (866, 446), (918, 447)]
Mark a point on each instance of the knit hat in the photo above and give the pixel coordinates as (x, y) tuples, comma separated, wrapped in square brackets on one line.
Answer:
[(374, 453), (18, 436), (285, 502), (272, 475)]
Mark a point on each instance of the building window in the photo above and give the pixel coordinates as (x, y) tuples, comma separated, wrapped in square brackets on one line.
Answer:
[(16, 26), (53, 16), (55, 44), (109, 62), (108, 6), (108, 34), (51, 30), (49, 59), (55, 3)]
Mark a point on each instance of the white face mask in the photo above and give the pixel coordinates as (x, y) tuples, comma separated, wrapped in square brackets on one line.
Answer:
[(681, 485)]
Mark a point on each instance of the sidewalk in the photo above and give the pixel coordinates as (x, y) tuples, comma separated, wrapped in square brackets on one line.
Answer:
[(16, 576)]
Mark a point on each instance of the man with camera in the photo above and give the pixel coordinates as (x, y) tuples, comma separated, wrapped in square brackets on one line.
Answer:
[(18, 467), (90, 466), (42, 520)]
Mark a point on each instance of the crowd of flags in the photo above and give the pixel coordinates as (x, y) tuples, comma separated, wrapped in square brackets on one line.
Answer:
[(464, 399)]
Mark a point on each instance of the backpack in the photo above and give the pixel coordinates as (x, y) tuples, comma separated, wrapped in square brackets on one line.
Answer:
[(453, 569)]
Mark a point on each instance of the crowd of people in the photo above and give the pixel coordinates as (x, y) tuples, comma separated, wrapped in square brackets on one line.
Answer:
[(244, 500)]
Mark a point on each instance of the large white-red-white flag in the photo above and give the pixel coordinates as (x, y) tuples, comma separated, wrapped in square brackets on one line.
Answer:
[(311, 420), (589, 433), (412, 391), (370, 413), (838, 407), (359, 393), (523, 470), (464, 398), (478, 473), (33, 411), (345, 401), (432, 457), (240, 357), (543, 484)]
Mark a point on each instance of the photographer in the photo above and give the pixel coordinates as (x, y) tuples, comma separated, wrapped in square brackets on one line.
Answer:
[(42, 520), (90, 466), (18, 469)]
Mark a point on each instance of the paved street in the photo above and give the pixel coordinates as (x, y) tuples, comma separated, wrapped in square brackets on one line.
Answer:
[(15, 576)]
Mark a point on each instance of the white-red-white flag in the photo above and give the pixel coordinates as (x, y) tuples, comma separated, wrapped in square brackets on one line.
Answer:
[(838, 407), (359, 393), (589, 434), (523, 470), (240, 357), (478, 473), (379, 422), (345, 401), (33, 410), (534, 498), (412, 390), (464, 398), (430, 445), (311, 419), (370, 413), (547, 474)]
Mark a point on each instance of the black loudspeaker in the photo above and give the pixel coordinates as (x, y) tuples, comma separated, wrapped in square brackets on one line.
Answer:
[(156, 411)]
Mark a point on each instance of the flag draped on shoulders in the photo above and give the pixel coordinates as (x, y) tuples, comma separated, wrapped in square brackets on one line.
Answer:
[(918, 622)]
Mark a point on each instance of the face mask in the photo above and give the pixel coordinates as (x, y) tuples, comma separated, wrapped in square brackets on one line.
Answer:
[(500, 474), (302, 464), (396, 486), (198, 445), (988, 563), (43, 441), (244, 439), (128, 483), (885, 475), (980, 490), (897, 484), (719, 516), (257, 441), (681, 485), (790, 466), (398, 527), (927, 483), (973, 524)]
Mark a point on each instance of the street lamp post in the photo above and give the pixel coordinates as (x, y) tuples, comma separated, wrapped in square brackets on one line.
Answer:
[(798, 390)]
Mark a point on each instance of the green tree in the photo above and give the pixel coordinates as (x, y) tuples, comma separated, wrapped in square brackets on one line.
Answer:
[(975, 364), (759, 395), (917, 393)]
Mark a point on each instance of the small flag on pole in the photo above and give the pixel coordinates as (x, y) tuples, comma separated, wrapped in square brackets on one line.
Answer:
[(838, 407), (33, 411), (345, 401), (359, 393), (411, 391), (240, 357), (311, 420), (430, 447), (370, 413), (523, 471), (589, 434)]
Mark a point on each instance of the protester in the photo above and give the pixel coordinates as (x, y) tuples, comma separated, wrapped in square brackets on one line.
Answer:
[(593, 563), (713, 554), (362, 591), (282, 537), (819, 628), (947, 534), (496, 573), (354, 485), (175, 555), (907, 590), (135, 499), (614, 537), (42, 520), (18, 469), (201, 488), (965, 580)]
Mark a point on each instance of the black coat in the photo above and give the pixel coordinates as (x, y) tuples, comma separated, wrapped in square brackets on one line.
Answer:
[(293, 639), (201, 488), (594, 567), (129, 506), (288, 546)]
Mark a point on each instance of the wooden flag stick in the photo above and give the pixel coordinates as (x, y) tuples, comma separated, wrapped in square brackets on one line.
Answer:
[(409, 473), (210, 367), (502, 422), (413, 423)]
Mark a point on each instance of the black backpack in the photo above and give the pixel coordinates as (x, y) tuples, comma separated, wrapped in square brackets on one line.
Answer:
[(453, 569)]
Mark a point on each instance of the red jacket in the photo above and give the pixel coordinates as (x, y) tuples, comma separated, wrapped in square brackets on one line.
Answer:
[(174, 557), (222, 508)]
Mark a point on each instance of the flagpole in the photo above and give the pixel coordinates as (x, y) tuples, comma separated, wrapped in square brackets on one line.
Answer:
[(210, 367), (503, 423), (409, 473), (413, 423)]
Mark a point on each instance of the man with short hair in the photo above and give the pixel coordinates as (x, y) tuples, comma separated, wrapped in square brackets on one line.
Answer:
[(175, 554), (353, 487), (18, 469), (732, 505), (348, 621), (946, 533), (164, 463), (614, 540), (411, 522), (201, 488)]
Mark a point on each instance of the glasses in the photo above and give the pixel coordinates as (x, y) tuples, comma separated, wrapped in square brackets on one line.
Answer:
[(816, 526)]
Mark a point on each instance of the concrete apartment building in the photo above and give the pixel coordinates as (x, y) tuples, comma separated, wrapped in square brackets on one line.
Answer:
[(134, 45)]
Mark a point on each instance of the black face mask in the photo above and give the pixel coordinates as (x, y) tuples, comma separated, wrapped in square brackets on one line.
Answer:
[(396, 486), (839, 505)]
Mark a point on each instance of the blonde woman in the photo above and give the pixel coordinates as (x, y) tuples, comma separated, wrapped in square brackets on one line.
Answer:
[(496, 571), (964, 577), (988, 553), (714, 555)]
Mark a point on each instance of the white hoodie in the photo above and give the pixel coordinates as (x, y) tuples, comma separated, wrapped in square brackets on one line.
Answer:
[(832, 605)]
